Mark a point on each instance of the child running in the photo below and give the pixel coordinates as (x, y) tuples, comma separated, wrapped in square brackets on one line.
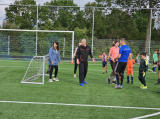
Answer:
[(142, 71), (155, 59), (130, 65), (104, 58)]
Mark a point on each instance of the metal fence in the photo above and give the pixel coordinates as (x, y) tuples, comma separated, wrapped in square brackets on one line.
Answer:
[(34, 17)]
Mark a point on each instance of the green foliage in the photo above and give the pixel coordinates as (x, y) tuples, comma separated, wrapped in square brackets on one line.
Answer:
[(23, 16)]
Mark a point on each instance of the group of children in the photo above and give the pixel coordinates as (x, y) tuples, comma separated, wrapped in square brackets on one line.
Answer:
[(130, 65)]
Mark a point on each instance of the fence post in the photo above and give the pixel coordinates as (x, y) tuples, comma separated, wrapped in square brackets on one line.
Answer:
[(63, 47), (36, 31), (8, 44), (150, 34), (93, 29)]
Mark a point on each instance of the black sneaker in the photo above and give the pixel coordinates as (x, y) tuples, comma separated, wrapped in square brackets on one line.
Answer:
[(103, 72), (114, 82), (127, 82), (106, 71), (108, 81), (158, 83), (48, 71), (131, 82)]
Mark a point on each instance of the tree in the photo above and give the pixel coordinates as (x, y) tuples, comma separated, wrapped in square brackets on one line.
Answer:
[(23, 16), (120, 24), (136, 4), (59, 16)]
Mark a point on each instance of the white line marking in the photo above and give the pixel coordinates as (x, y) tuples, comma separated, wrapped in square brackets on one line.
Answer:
[(145, 116), (82, 105)]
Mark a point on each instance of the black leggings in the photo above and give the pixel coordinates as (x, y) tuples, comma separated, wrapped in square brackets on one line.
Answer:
[(75, 66), (51, 70)]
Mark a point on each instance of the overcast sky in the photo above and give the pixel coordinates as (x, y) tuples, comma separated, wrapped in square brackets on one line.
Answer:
[(80, 3)]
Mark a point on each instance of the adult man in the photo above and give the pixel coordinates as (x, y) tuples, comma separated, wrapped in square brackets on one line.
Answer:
[(122, 57), (82, 59)]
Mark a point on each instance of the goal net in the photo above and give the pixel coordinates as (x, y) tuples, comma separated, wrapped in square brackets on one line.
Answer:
[(36, 71), (24, 44)]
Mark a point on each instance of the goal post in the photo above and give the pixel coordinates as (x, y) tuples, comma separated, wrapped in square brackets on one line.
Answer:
[(28, 40), (36, 71)]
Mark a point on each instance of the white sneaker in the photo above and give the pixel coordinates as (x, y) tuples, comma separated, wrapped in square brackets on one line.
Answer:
[(74, 75), (55, 79), (50, 80)]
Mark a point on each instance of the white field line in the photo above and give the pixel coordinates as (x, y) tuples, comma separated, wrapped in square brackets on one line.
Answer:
[(81, 105), (65, 68), (145, 116)]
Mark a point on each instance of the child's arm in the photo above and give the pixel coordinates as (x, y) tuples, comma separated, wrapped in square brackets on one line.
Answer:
[(100, 56)]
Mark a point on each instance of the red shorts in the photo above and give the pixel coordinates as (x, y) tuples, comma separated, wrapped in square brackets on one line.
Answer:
[(129, 71)]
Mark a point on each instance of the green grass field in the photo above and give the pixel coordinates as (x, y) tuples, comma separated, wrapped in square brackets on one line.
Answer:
[(93, 98)]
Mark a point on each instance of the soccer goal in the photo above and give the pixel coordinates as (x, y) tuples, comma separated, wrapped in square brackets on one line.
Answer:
[(18, 43), (36, 71)]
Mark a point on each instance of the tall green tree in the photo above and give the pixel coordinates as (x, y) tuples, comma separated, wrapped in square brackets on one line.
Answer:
[(23, 16), (59, 16), (137, 4)]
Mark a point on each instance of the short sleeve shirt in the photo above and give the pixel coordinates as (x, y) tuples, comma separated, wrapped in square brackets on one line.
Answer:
[(124, 51), (114, 52)]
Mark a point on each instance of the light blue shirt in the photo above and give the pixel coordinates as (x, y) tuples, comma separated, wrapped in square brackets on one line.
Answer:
[(54, 56)]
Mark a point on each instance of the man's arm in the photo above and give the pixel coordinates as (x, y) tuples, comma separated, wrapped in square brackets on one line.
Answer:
[(91, 55), (119, 56)]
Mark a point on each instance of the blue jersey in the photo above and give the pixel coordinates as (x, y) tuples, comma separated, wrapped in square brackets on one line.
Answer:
[(124, 51)]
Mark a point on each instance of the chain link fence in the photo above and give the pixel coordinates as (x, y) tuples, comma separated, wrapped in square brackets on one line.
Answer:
[(99, 25)]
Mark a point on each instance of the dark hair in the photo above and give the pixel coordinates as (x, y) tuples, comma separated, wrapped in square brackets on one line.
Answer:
[(123, 39), (143, 53), (114, 43), (57, 45)]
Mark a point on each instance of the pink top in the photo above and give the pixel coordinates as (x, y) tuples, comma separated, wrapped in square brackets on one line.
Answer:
[(114, 51)]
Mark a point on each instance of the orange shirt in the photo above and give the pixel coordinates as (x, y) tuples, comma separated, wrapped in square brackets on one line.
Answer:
[(130, 63)]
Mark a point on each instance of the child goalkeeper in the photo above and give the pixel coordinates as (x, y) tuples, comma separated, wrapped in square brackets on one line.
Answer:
[(142, 71), (130, 65)]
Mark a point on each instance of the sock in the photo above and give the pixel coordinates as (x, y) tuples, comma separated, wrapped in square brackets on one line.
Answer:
[(117, 77), (122, 77), (153, 68), (131, 78), (128, 78), (158, 80)]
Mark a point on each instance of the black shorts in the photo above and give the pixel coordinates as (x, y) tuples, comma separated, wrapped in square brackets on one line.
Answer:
[(104, 64), (158, 67), (120, 67)]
